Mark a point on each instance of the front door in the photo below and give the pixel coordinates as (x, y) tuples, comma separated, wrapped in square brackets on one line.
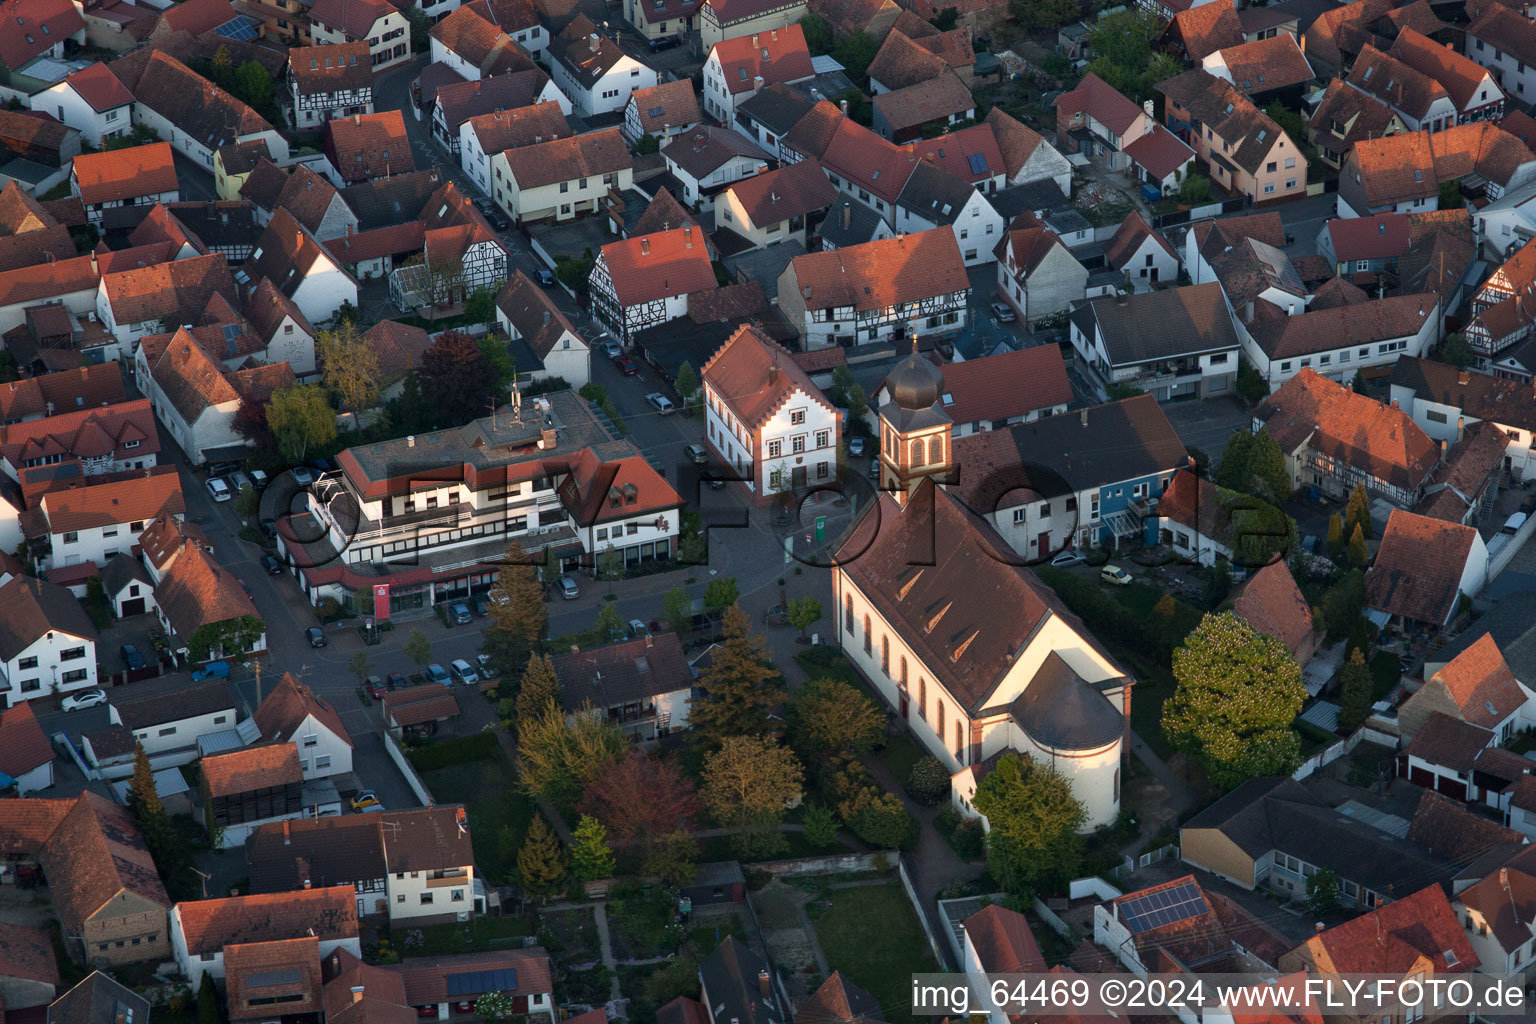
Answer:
[(797, 478), (1045, 545), (902, 703)]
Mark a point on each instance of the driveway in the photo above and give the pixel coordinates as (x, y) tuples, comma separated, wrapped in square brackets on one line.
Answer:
[(1207, 423)]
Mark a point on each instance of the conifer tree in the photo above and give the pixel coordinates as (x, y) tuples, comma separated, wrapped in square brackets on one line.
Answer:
[(591, 857), (541, 861), (737, 689)]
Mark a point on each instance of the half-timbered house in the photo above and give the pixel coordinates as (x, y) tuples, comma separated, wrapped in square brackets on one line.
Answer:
[(327, 82), (645, 281)]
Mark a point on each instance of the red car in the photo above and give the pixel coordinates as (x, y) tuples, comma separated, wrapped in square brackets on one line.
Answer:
[(375, 687), (626, 365), (426, 1011)]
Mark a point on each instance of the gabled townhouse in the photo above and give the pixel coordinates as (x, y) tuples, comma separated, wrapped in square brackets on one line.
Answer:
[(1445, 402), (770, 115), (292, 713), (40, 32), (563, 178), (1037, 275), (1199, 521), (86, 522), (161, 226), (878, 290), (521, 19), (1364, 245), (778, 206), (658, 19), (875, 18), (259, 974), (241, 790), (1345, 116), (474, 46), (71, 283), (432, 985), (997, 391), (315, 203), (662, 111), (47, 642), (1124, 456), (630, 289), (458, 102), (1272, 603), (26, 756), (366, 146), (484, 135), (168, 717), (139, 176), (1200, 31), (1244, 150), (385, 28), (1504, 41), (1180, 922), (1476, 687), (720, 20), (707, 160), (92, 101), (203, 930), (933, 198), (1341, 341), (457, 237), (1334, 439), (1335, 37), (997, 940), (1417, 100), (835, 999), (1027, 157), (399, 348), (1423, 570), (326, 83), (1141, 254), (1499, 913), (1265, 71), (737, 68), (105, 439), (193, 592), (291, 258), (1404, 172), (592, 72), (33, 398), (642, 687), (1473, 90), (133, 303), (855, 159), (191, 113), (903, 61), (1501, 309), (1100, 123), (1458, 766), (1169, 343), (526, 313), (764, 417), (915, 111)]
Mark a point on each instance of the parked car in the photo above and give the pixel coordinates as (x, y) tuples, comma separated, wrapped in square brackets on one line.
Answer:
[(856, 445), (1514, 522), (249, 593), (131, 657), (396, 681), (437, 674), (212, 670), (88, 699), (1115, 575), (626, 365), (1068, 558), (459, 612), (463, 671), (322, 466), (638, 629), (267, 528), (664, 43), (239, 480), (316, 636), (715, 483), (303, 475), (660, 402), (485, 667), (271, 564), (375, 687), (697, 453), (609, 346), (1003, 312), (546, 277), (258, 478), (568, 588), (367, 798), (219, 489), (223, 467)]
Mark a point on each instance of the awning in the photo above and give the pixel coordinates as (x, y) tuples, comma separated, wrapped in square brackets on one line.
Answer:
[(1380, 618)]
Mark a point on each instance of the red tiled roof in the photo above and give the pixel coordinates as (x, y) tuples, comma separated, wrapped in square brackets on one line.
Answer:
[(196, 592), (795, 190), (1408, 166), (1101, 101), (354, 18), (1383, 236), (670, 104), (23, 744), (341, 66), (1512, 33), (1461, 76), (134, 498), (940, 98), (367, 146), (426, 978), (33, 26), (1003, 941), (1208, 28), (401, 710), (391, 240), (1481, 683), (526, 126), (95, 855), (84, 433), (883, 272), (125, 173), (99, 87), (775, 55), (1418, 568), (755, 376), (1266, 64), (287, 707), (1128, 240), (241, 771), (658, 265), (256, 974), (953, 152), (1272, 604), (327, 913), (588, 155), (90, 385), (1160, 151), (1006, 385), (1394, 938), (594, 485)]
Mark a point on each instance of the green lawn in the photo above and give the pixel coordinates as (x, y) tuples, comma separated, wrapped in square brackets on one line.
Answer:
[(871, 934), (899, 754), (479, 934), (499, 814), (717, 848)]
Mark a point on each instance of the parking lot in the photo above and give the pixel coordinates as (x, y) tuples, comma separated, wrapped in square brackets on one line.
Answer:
[(1206, 424)]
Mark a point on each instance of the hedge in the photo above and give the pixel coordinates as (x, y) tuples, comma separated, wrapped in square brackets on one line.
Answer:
[(461, 750)]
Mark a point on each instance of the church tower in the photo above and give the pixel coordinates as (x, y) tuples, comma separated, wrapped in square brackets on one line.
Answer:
[(914, 428)]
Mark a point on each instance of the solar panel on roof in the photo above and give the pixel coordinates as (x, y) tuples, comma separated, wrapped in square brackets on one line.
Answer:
[(474, 983), (270, 979), (978, 163), (240, 29), (1163, 907)]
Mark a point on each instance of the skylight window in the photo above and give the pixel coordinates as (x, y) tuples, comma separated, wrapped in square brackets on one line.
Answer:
[(1229, 108), (1418, 175)]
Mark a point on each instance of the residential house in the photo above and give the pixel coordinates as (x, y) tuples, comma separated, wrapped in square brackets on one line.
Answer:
[(196, 398), (422, 712), (202, 931), (47, 642), (193, 592), (292, 713), (167, 718), (92, 101), (96, 1000), (520, 19), (244, 789), (139, 176), (1364, 245), (774, 111), (1027, 157), (290, 256), (1477, 687), (1458, 764), (260, 974), (737, 68), (399, 348), (1473, 90), (640, 282), (836, 999), (1336, 36), (911, 112), (1419, 101), (1104, 494), (1501, 307), (765, 419), (39, 34), (344, 853), (1345, 116), (526, 313), (1169, 343), (77, 437), (312, 201), (90, 519), (658, 19), (1200, 31), (934, 198), (1272, 604), (1141, 254), (1423, 571), (662, 111), (1178, 923), (903, 60), (1334, 439), (470, 41), (1200, 521), (592, 71), (1036, 274), (1265, 71), (1504, 41), (1245, 151), (366, 146), (327, 84), (431, 985), (776, 206), (871, 292), (1499, 912), (562, 179), (1342, 341), (736, 984), (484, 135), (874, 18), (1098, 122), (1445, 401), (1404, 172), (997, 391), (850, 223), (385, 28), (998, 941), (26, 756), (720, 20), (140, 301), (708, 160), (456, 236), (457, 103), (30, 974), (642, 686)]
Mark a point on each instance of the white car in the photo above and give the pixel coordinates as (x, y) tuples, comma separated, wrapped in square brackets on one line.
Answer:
[(660, 402), (1068, 558), (88, 699), (463, 672), (1003, 312), (638, 629), (219, 489)]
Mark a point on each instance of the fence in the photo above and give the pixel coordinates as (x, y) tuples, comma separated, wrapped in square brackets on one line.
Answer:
[(408, 770), (1164, 220), (829, 865), (1094, 886), (1056, 924), (1334, 751), (917, 908), (1169, 852)]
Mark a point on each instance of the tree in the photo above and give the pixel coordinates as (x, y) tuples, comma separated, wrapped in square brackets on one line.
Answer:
[(1354, 692), (1450, 195), (1323, 892), (858, 405), (1235, 470), (1358, 556), (224, 638), (591, 856), (142, 795), (407, 414), (1237, 694), (498, 362), (1038, 15), (253, 85), (929, 781), (417, 647), (1194, 190), (608, 627), (349, 366), (541, 861), (480, 307), (855, 51), (642, 798), (221, 68), (818, 34), (1358, 384), (538, 689), (720, 593), (1254, 464), (748, 785), (1218, 583), (829, 718), (1160, 68), (610, 565), (1035, 821), (1457, 351), (1335, 535), (821, 825), (1251, 385), (880, 819), (1124, 39), (360, 665), (517, 613), (842, 380), (678, 609), (946, 20), (737, 689), (300, 419), (208, 1001), (421, 29), (804, 612), (250, 422), (558, 755), (455, 381), (1343, 603), (1357, 512), (1359, 638), (686, 383), (495, 1006)]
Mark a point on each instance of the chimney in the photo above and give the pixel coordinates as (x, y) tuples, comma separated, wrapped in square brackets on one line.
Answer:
[(357, 119), (843, 104), (306, 883), (547, 436), (754, 38), (93, 264), (1394, 403), (1464, 378), (410, 441), (648, 641), (1461, 426), (847, 214), (287, 833), (1082, 417), (357, 993), (757, 81), (762, 981), (1248, 312), (1444, 444), (773, 373), (575, 649), (774, 35), (645, 247), (1504, 877), (687, 237), (592, 42), (1319, 927), (1147, 106), (546, 317)]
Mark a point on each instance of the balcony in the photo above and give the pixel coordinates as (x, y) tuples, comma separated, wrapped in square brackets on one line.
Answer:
[(448, 881)]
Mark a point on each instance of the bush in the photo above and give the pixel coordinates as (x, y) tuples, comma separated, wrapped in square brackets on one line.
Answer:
[(883, 821), (929, 782), (461, 750), (964, 835), (820, 826)]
